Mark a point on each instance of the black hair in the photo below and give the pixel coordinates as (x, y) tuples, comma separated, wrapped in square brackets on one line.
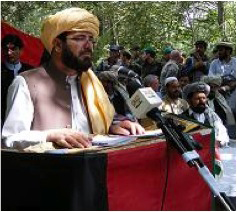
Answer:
[(14, 39), (183, 73), (190, 95), (201, 42), (152, 53), (45, 57), (62, 36), (227, 48)]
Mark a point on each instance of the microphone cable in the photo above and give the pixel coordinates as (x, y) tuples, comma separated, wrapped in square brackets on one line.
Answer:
[(168, 146)]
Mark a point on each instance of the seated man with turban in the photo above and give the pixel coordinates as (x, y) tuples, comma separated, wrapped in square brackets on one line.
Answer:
[(62, 101), (196, 95), (171, 102)]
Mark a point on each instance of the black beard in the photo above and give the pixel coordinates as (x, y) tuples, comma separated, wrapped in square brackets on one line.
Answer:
[(199, 108), (75, 63), (223, 57), (174, 95)]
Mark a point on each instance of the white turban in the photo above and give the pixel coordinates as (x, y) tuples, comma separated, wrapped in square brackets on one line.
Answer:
[(72, 19), (170, 79)]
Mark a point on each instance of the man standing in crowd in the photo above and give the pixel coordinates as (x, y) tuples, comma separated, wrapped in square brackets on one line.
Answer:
[(172, 103), (150, 64), (62, 101), (136, 54), (198, 65), (166, 56), (113, 59), (12, 47), (126, 61), (126, 57), (171, 69), (225, 66), (183, 79), (196, 96)]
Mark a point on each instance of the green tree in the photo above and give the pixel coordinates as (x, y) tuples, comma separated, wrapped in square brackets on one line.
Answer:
[(144, 23)]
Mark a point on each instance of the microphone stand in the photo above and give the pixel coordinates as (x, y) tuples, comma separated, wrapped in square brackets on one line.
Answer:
[(185, 146)]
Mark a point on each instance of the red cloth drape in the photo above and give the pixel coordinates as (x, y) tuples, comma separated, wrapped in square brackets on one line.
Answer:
[(136, 179), (33, 47)]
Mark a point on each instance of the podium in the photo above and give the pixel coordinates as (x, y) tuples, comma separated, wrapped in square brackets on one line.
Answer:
[(145, 175)]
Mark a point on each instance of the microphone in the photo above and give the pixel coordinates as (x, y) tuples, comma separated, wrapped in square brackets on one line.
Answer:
[(132, 86), (125, 72), (142, 100)]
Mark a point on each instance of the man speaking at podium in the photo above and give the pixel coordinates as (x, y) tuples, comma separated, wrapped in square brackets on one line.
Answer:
[(62, 101)]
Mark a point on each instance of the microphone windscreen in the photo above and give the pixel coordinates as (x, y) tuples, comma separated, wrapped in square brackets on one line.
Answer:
[(108, 76), (123, 71), (132, 87)]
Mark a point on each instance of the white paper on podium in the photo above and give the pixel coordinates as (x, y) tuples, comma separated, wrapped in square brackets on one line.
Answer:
[(113, 140), (149, 133)]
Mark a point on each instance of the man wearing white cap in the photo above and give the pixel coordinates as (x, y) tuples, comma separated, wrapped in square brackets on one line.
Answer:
[(62, 101), (172, 103), (196, 95)]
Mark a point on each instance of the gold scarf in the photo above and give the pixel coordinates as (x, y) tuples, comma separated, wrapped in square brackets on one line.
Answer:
[(100, 110)]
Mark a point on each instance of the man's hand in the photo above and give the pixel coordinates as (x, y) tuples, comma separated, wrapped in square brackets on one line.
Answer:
[(197, 56), (127, 128), (69, 138)]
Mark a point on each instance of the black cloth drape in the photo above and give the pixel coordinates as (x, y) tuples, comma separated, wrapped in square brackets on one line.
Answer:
[(53, 182)]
